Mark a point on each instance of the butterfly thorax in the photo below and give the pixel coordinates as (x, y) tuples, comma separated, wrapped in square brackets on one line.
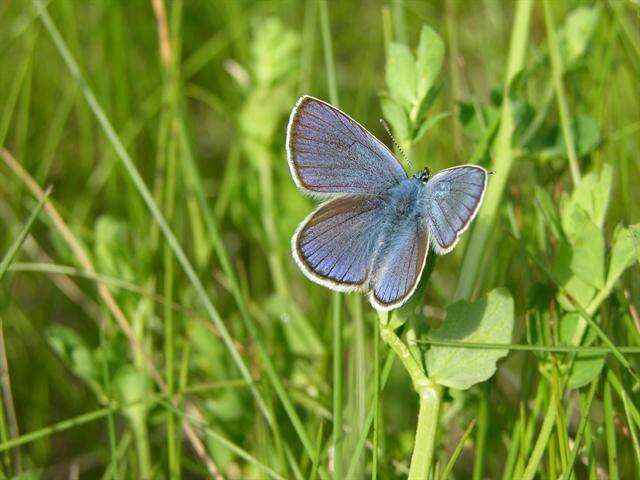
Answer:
[(405, 201)]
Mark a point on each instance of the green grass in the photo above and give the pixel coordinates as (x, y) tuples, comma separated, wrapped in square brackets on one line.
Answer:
[(153, 323)]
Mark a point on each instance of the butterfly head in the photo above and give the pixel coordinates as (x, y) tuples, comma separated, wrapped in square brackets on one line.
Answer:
[(423, 175)]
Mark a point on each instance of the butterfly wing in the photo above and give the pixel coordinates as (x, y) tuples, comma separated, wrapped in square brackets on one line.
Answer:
[(334, 246), (453, 197), (399, 265), (330, 153)]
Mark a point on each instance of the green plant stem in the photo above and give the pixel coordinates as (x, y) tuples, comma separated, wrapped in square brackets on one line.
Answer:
[(503, 160), (610, 431), (376, 399), (325, 27), (446, 473), (337, 385), (563, 106), (8, 258), (430, 398), (172, 84), (481, 435), (541, 442), (372, 411), (584, 420)]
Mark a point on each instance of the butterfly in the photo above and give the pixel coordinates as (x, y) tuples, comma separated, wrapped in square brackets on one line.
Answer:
[(373, 230)]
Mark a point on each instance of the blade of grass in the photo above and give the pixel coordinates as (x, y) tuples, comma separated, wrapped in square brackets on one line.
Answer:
[(527, 348), (144, 192), (563, 106), (325, 28), (316, 457), (111, 427), (338, 370), (338, 346), (577, 441), (357, 451), (14, 248), (170, 48), (7, 400), (108, 299), (376, 399), (446, 473), (632, 429), (609, 426), (503, 160), (191, 172), (481, 435), (615, 382), (541, 442)]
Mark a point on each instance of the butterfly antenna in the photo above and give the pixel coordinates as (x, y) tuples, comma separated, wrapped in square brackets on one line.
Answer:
[(397, 145)]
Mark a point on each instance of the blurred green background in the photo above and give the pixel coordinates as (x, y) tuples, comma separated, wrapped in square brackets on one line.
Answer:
[(100, 318)]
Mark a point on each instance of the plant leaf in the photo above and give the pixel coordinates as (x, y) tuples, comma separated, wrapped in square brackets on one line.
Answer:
[(488, 320), (625, 251), (430, 55), (73, 351), (577, 32), (401, 75), (431, 121), (592, 196), (397, 116), (586, 366), (587, 259), (580, 291)]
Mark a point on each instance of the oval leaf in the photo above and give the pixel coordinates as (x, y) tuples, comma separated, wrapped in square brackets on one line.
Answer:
[(488, 320)]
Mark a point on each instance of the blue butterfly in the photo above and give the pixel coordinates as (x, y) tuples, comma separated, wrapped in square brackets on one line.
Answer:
[(372, 233)]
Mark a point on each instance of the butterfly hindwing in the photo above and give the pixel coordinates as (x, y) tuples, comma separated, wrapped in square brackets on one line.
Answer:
[(453, 198), (330, 153), (399, 264), (335, 245)]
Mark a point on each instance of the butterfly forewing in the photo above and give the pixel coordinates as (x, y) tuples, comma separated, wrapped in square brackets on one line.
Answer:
[(453, 198), (331, 153), (399, 266), (335, 245)]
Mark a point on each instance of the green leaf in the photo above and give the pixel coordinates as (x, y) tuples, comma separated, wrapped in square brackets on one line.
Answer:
[(113, 248), (476, 119), (580, 291), (549, 142), (430, 122), (577, 32), (549, 212), (430, 55), (587, 259), (488, 320), (397, 117), (73, 351), (401, 75), (586, 366), (132, 387), (625, 251), (586, 134), (592, 196)]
